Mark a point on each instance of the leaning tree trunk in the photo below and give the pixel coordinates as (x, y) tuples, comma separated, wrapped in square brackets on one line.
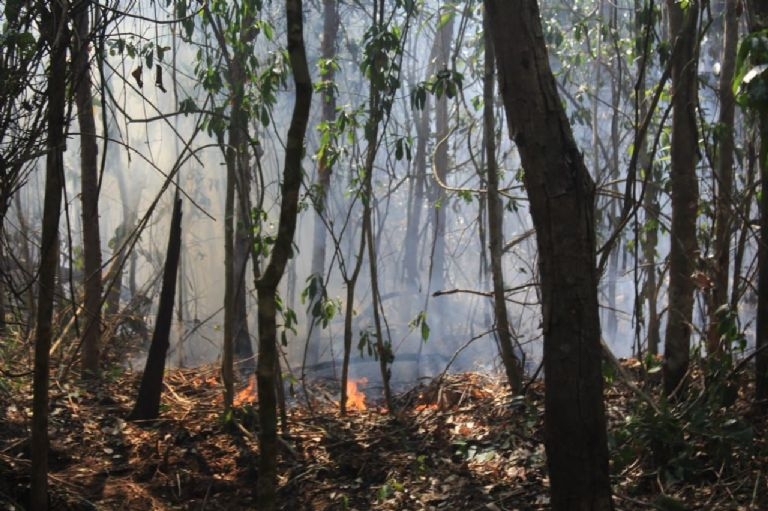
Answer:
[(89, 194), (54, 30), (147, 405), (684, 155), (266, 287), (562, 195)]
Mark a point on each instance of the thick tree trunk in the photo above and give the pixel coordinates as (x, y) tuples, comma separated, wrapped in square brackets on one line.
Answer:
[(758, 20), (496, 219), (266, 377), (561, 194), (89, 195), (761, 333), (685, 196), (147, 405), (54, 29)]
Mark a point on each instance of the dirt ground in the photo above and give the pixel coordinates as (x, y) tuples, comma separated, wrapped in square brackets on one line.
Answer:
[(461, 443)]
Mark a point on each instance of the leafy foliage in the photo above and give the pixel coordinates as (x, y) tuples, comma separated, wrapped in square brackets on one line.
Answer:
[(750, 83)]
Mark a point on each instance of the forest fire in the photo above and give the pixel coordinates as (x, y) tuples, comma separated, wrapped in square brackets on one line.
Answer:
[(355, 397), (248, 395)]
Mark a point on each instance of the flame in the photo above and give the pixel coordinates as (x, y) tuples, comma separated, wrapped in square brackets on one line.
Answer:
[(355, 397), (248, 395)]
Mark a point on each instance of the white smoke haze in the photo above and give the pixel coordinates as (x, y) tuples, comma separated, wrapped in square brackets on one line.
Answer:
[(150, 138)]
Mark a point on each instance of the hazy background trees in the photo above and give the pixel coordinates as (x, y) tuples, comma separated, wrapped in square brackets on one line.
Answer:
[(411, 194)]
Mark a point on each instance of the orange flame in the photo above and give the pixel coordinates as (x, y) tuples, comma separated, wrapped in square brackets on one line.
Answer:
[(248, 395), (355, 397)]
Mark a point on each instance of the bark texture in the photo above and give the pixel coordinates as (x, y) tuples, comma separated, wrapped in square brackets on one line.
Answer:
[(54, 29), (724, 176), (685, 195), (561, 194), (758, 20), (496, 220), (89, 192), (266, 377)]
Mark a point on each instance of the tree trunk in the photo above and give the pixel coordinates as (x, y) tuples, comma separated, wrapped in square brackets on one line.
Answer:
[(685, 196), (411, 271), (228, 346), (495, 218), (266, 379), (147, 405), (3, 275), (440, 163), (649, 238), (324, 167), (761, 333), (724, 177), (54, 29), (758, 20), (243, 349), (562, 195), (89, 195)]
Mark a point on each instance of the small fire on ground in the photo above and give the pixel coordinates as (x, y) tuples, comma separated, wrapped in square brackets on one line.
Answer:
[(248, 395), (355, 397)]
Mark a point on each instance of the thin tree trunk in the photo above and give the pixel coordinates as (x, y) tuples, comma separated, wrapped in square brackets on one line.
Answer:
[(324, 167), (3, 274), (724, 177), (612, 322), (649, 239), (684, 155), (562, 196), (349, 313), (441, 160), (267, 380), (412, 238), (114, 276), (54, 30), (89, 196), (495, 218), (228, 347), (745, 199)]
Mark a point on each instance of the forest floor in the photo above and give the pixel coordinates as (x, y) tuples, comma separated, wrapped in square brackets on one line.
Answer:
[(463, 443)]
